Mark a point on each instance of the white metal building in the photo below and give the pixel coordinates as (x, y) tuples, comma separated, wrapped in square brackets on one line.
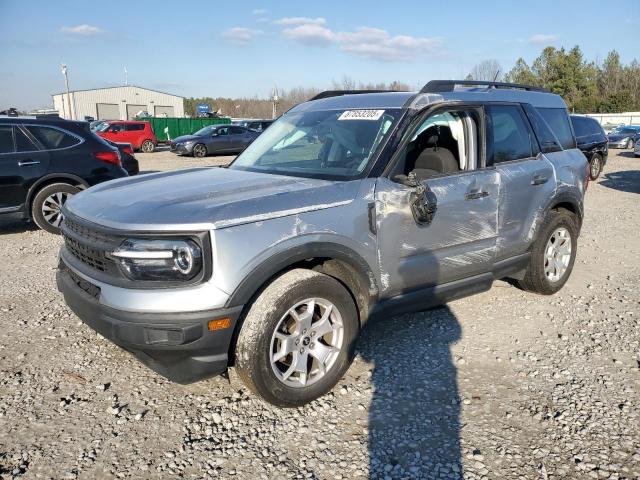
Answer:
[(117, 103)]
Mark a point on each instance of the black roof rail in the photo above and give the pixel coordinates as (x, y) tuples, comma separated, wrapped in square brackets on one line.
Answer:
[(338, 93), (439, 86)]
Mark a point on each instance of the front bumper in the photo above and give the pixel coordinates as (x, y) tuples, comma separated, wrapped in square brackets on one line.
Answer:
[(620, 144), (178, 346), (181, 148)]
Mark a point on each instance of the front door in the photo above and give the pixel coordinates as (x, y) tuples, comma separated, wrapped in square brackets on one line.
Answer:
[(459, 242)]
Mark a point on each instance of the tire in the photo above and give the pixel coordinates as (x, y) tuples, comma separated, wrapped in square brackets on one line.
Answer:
[(595, 166), (45, 208), (539, 276), (200, 150), (147, 146), (281, 382)]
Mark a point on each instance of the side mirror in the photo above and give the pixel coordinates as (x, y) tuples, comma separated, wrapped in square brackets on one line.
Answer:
[(422, 200)]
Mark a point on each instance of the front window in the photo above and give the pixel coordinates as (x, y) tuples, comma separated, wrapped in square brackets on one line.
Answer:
[(335, 144), (206, 131)]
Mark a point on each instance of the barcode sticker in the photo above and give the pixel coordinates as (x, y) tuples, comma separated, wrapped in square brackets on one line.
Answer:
[(361, 115)]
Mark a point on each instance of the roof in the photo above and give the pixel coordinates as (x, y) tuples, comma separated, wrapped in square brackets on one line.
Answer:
[(416, 100), (119, 86)]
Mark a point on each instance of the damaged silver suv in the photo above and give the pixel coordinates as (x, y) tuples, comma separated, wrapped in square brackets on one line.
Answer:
[(351, 205)]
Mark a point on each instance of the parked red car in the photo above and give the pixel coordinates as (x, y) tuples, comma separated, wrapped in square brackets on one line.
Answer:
[(139, 134)]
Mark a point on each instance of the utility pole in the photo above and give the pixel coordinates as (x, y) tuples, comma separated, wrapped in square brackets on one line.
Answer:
[(126, 77), (274, 100), (66, 84)]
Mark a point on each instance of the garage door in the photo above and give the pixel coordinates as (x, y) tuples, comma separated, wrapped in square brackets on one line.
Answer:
[(133, 109), (108, 111), (162, 111)]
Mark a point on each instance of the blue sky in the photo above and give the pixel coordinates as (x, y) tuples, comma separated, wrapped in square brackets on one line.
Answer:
[(227, 48)]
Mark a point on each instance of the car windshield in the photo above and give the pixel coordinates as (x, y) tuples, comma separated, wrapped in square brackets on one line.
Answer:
[(336, 144), (101, 127), (203, 132)]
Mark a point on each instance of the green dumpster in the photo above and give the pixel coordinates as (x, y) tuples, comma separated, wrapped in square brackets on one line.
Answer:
[(180, 126)]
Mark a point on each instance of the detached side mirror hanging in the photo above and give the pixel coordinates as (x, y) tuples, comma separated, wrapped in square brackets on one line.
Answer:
[(423, 201)]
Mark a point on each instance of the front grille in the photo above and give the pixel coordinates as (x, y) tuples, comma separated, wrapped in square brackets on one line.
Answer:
[(89, 246)]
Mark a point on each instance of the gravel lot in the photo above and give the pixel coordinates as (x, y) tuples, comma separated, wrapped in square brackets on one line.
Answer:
[(500, 385)]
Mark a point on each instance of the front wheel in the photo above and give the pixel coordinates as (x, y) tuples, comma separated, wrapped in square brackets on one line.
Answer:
[(297, 339), (47, 204), (199, 151), (553, 253), (630, 143), (595, 166)]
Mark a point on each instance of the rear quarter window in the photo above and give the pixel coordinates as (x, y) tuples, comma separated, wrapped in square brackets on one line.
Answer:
[(52, 138), (558, 121)]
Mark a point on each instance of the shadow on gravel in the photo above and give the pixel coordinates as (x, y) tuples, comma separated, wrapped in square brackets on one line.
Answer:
[(628, 154), (625, 181), (14, 225), (414, 417)]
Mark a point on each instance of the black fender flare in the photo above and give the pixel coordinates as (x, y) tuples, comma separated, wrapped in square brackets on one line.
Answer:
[(47, 179), (564, 197), (275, 264)]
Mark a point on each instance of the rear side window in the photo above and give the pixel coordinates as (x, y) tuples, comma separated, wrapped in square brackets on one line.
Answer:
[(52, 138), (558, 121), (6, 139), (511, 136), (23, 143), (135, 126), (581, 126), (236, 130)]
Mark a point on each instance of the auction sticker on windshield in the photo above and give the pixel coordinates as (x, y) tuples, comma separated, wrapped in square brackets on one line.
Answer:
[(361, 115)]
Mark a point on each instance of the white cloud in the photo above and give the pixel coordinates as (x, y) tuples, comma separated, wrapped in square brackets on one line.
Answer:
[(83, 29), (240, 35), (310, 34), (367, 42), (378, 44), (543, 38), (290, 21), (259, 11)]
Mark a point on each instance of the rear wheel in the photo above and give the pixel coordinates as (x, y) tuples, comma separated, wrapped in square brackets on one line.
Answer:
[(298, 338), (47, 204), (553, 254), (199, 150), (147, 146), (595, 166)]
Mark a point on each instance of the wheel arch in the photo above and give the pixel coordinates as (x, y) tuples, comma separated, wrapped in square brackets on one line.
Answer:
[(566, 200), (334, 260), (50, 179)]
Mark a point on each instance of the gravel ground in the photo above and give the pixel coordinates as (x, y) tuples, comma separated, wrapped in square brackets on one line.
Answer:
[(500, 385)]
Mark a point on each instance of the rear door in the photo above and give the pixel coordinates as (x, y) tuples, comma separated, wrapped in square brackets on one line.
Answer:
[(22, 163), (238, 138), (527, 178), (134, 132)]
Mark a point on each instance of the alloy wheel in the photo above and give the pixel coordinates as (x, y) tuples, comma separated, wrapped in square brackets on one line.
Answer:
[(52, 208), (199, 151), (557, 254), (595, 167), (147, 146), (306, 342)]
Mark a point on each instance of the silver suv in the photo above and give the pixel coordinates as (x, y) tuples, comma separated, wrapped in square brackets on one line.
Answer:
[(351, 205)]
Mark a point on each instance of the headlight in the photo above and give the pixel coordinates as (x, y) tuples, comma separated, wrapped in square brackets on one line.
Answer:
[(168, 259)]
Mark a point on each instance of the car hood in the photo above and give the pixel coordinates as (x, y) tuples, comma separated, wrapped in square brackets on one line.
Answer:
[(205, 198), (185, 138)]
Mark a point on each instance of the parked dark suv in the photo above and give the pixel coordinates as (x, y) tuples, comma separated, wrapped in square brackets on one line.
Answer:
[(592, 141), (43, 161)]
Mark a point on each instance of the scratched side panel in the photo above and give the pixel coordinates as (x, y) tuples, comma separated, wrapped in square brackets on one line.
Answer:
[(240, 249)]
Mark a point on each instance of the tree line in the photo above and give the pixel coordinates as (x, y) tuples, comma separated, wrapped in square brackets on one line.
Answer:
[(587, 86)]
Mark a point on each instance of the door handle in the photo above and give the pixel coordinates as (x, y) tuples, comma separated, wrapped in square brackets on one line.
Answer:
[(539, 180), (26, 163), (475, 194)]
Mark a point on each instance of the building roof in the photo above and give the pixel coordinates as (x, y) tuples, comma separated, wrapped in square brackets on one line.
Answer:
[(119, 86)]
